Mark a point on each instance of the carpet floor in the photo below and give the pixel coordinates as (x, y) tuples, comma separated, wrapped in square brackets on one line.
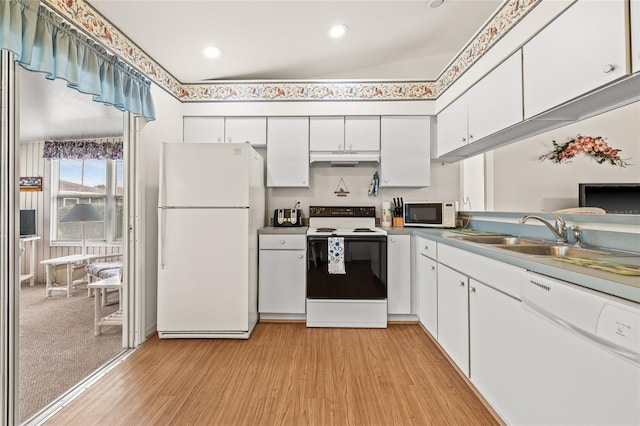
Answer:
[(57, 345)]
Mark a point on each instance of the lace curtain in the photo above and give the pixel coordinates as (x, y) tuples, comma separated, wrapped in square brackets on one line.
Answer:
[(42, 42), (82, 150)]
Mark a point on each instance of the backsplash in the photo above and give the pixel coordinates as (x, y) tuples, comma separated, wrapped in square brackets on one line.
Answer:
[(445, 185)]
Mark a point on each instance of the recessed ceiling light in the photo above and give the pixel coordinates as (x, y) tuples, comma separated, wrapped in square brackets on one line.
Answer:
[(338, 31), (211, 52)]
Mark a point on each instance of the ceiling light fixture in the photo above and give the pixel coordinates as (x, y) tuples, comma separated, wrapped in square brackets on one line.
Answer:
[(338, 31), (436, 3), (211, 52)]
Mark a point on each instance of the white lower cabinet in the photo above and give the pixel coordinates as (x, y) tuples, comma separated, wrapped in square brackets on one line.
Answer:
[(399, 274), (428, 294), (282, 274), (453, 315), (495, 348)]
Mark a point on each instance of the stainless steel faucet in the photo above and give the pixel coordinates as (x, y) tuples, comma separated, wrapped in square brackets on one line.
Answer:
[(558, 229)]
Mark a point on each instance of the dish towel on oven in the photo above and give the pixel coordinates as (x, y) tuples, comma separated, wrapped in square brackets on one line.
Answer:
[(336, 255)]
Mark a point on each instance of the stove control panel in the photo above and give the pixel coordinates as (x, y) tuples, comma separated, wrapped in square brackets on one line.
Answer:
[(342, 211)]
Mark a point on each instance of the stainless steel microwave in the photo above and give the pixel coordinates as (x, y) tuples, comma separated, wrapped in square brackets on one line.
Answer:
[(435, 214)]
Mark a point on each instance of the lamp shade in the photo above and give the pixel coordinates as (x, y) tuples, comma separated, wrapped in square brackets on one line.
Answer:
[(83, 213)]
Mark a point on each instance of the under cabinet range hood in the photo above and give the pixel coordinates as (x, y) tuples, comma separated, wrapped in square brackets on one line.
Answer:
[(344, 158)]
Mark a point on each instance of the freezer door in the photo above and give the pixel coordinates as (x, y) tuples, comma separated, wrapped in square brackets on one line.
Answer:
[(205, 175), (203, 278)]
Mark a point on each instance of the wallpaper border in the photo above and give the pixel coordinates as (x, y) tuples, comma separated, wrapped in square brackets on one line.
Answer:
[(84, 16)]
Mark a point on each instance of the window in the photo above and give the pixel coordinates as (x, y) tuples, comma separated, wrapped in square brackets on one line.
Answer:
[(98, 182)]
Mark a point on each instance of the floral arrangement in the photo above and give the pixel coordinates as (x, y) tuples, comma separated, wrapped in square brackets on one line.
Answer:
[(596, 147)]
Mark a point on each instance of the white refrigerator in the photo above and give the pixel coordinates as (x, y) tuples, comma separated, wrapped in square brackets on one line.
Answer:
[(211, 204)]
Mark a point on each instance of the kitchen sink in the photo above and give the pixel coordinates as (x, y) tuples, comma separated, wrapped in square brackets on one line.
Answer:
[(495, 239), (556, 250)]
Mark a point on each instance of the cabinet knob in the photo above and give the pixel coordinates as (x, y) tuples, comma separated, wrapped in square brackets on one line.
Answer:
[(350, 147), (229, 139), (470, 137), (386, 181), (300, 256), (608, 68), (281, 241), (433, 268), (304, 182), (393, 240), (426, 247), (339, 146), (461, 283), (472, 289), (219, 139), (464, 139)]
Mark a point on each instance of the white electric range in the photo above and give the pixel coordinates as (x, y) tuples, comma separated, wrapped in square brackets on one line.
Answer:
[(346, 268)]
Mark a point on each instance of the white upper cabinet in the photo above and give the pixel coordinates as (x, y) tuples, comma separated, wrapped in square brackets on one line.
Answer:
[(405, 151), (351, 133), (452, 126), (362, 133), (491, 105), (583, 49), (225, 130), (635, 35), (495, 102), (246, 129), (203, 129), (288, 152), (326, 133)]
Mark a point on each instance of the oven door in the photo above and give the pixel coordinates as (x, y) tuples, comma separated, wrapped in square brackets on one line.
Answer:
[(365, 277)]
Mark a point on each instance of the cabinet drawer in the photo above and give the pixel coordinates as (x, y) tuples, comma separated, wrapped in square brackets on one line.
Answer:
[(283, 242), (427, 248)]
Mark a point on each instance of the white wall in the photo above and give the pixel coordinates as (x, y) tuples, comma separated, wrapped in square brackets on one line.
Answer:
[(521, 182), (166, 128)]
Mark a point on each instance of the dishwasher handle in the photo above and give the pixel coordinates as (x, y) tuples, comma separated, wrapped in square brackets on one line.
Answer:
[(629, 355)]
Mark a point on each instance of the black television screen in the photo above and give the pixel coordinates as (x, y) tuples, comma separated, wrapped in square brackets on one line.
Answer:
[(615, 198), (27, 222)]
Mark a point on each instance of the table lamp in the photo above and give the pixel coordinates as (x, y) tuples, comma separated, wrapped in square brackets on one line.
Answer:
[(83, 213)]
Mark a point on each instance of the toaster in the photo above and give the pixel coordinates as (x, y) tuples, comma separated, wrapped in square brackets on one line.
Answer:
[(287, 217)]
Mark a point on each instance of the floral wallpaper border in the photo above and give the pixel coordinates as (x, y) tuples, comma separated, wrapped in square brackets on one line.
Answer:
[(92, 22)]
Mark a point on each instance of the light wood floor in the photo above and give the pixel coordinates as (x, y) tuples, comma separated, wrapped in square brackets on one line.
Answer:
[(285, 374)]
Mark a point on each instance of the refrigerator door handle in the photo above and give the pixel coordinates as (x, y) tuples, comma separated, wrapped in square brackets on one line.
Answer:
[(161, 236)]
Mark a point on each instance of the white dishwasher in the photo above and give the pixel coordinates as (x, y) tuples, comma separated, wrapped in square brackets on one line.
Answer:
[(581, 363)]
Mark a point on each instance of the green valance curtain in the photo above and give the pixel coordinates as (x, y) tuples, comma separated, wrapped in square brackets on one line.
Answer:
[(42, 42)]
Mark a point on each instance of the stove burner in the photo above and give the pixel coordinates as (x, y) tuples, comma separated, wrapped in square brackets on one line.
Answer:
[(325, 229), (362, 230)]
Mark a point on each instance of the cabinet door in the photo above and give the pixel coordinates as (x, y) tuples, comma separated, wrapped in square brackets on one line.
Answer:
[(405, 151), (495, 102), (428, 294), (203, 129), (326, 133), (453, 316), (362, 133), (288, 152), (452, 126), (282, 283), (569, 57), (399, 274), (496, 345), (635, 35), (246, 129)]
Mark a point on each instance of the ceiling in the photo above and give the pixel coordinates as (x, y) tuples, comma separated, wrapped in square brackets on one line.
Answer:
[(261, 40), (287, 40)]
